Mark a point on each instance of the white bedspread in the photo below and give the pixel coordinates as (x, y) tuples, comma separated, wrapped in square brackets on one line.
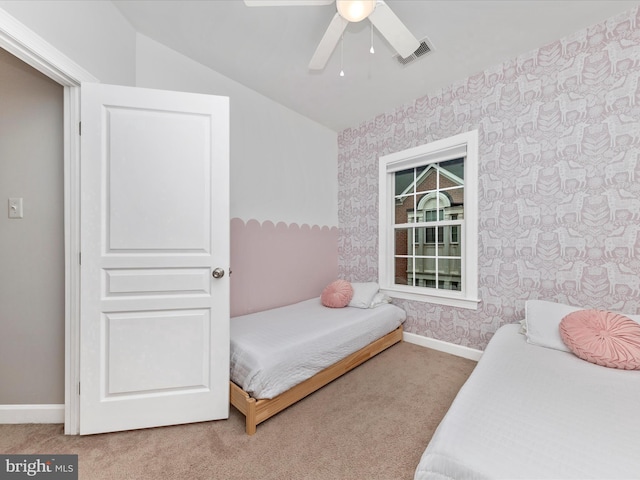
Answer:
[(274, 350), (537, 413)]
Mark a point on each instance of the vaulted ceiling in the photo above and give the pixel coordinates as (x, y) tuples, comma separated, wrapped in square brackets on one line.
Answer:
[(268, 48)]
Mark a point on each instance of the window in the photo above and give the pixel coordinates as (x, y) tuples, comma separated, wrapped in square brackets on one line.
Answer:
[(455, 230), (428, 222), (430, 232), (430, 235)]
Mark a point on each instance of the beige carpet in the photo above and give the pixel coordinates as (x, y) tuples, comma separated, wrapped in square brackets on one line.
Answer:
[(372, 423)]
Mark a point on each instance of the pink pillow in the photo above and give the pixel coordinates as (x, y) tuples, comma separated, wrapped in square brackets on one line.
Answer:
[(604, 338), (337, 294)]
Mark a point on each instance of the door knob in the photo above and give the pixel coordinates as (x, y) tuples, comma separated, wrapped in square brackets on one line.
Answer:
[(218, 273)]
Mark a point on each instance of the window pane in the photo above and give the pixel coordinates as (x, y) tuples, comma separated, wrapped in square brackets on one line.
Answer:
[(404, 180), (420, 170), (402, 272), (449, 270), (451, 241), (428, 273), (407, 216), (456, 197), (453, 168), (426, 178), (421, 270), (402, 246), (425, 201), (404, 211), (418, 266), (430, 266)]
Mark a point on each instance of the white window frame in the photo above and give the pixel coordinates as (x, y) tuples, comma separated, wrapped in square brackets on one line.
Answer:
[(438, 151)]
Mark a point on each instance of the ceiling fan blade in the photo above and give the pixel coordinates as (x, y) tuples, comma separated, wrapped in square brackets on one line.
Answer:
[(392, 28), (286, 3), (328, 43)]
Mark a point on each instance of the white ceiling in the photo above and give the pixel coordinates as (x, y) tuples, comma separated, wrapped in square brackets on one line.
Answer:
[(268, 48)]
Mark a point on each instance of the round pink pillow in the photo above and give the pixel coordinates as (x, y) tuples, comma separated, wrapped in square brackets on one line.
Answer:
[(604, 338), (337, 294)]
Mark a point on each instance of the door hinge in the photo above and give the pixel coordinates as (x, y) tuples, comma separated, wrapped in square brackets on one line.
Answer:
[(80, 128), (78, 388), (80, 258)]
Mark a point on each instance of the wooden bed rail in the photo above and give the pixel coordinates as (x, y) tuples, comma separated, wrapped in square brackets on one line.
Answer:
[(257, 411)]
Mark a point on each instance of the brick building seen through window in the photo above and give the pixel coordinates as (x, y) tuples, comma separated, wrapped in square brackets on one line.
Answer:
[(429, 209)]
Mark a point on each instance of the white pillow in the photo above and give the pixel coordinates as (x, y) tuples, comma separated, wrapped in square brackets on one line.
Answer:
[(523, 327), (543, 323), (363, 294), (380, 299)]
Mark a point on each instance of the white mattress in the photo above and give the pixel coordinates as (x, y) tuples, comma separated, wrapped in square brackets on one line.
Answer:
[(274, 350), (533, 412)]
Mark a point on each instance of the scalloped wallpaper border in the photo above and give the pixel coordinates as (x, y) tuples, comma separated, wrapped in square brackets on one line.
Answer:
[(276, 264)]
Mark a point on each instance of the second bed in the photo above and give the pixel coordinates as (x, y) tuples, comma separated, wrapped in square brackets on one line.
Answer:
[(531, 412)]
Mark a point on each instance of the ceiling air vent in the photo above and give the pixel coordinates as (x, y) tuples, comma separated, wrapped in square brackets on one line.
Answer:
[(422, 50)]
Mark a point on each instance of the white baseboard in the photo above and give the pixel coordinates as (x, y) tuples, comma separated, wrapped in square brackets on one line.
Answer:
[(452, 348), (31, 414)]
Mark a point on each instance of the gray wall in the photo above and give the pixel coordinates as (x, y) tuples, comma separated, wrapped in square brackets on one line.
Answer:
[(31, 248)]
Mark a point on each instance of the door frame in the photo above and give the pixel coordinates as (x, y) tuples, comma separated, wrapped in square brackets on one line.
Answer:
[(32, 49)]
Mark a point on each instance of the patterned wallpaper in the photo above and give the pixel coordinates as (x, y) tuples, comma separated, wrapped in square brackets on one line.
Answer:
[(558, 199)]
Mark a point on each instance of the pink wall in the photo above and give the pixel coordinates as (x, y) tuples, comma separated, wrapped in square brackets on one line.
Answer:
[(558, 199), (275, 265)]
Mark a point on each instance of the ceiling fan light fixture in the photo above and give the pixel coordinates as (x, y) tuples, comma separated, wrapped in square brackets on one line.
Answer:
[(355, 10)]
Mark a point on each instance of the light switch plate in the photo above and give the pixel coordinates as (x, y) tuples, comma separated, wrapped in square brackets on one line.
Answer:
[(15, 208)]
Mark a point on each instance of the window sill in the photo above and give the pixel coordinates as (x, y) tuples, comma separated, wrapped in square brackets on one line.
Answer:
[(459, 302)]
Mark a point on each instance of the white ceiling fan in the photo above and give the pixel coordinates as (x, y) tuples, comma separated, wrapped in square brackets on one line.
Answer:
[(377, 11)]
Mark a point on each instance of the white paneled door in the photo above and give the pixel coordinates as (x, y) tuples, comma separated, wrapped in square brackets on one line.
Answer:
[(154, 230)]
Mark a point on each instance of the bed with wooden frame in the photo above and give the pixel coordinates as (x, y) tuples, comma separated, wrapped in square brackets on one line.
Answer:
[(280, 356)]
